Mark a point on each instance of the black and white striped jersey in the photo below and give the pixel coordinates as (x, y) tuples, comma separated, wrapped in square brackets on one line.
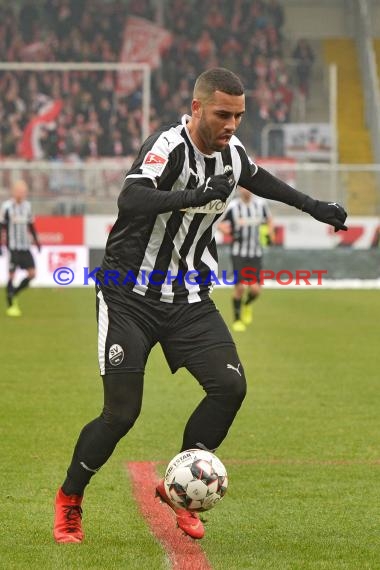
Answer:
[(174, 244), (246, 219), (17, 218)]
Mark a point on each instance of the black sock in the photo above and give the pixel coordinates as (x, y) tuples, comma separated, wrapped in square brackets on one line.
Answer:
[(236, 305), (10, 292), (24, 283), (94, 447), (209, 412)]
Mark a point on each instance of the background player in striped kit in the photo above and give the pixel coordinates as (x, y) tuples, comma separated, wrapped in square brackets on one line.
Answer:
[(17, 220), (244, 218)]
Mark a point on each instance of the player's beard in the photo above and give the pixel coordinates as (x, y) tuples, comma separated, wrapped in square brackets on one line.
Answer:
[(208, 137)]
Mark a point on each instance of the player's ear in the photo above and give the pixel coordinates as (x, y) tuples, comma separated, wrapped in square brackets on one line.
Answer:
[(196, 108)]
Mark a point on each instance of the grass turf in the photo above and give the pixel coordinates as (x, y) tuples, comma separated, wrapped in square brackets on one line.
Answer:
[(302, 455)]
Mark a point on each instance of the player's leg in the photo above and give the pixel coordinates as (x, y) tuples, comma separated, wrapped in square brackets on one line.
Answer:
[(254, 289), (27, 263), (237, 297), (205, 347), (123, 351), (198, 339), (220, 373), (12, 308), (95, 445), (238, 293), (202, 343), (13, 263), (98, 439), (10, 288)]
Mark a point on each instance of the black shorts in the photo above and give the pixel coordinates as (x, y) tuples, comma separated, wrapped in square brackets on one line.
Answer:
[(20, 258), (253, 263), (128, 331)]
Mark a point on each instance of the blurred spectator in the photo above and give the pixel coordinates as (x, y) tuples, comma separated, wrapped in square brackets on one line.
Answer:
[(304, 57), (97, 117), (275, 14)]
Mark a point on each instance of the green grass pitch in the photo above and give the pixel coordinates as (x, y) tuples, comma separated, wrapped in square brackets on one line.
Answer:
[(303, 454)]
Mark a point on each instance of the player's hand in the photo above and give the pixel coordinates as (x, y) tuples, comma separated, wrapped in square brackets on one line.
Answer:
[(217, 187), (328, 212)]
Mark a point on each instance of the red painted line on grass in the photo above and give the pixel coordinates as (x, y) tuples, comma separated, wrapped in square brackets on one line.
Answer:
[(183, 552)]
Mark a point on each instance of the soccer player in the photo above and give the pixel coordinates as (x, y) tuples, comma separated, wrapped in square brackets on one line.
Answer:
[(244, 219), (17, 220), (171, 200)]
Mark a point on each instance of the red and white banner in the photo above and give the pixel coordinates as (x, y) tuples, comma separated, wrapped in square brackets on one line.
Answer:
[(30, 146), (302, 232), (63, 265), (55, 266), (60, 230), (292, 232), (143, 42)]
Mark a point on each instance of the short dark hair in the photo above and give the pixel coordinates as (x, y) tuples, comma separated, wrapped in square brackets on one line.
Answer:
[(217, 79)]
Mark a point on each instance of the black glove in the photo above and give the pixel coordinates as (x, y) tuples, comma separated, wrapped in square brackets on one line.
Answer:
[(327, 212), (217, 187)]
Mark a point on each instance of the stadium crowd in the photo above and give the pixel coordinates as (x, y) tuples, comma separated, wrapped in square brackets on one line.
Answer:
[(97, 118)]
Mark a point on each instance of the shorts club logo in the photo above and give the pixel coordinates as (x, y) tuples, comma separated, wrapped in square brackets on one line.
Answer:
[(116, 355)]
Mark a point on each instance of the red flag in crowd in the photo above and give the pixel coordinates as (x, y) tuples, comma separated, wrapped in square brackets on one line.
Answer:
[(30, 147), (143, 42)]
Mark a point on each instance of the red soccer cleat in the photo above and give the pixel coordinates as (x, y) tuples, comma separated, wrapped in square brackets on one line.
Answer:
[(187, 521), (68, 518)]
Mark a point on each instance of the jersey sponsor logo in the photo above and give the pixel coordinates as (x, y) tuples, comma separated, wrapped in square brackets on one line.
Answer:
[(115, 355), (213, 207), (154, 164)]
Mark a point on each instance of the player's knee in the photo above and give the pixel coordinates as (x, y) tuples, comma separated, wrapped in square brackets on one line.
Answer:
[(238, 390), (120, 420), (233, 389), (255, 290), (225, 380), (122, 401)]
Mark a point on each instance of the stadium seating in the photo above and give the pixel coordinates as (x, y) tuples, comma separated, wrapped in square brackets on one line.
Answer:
[(354, 143), (96, 120)]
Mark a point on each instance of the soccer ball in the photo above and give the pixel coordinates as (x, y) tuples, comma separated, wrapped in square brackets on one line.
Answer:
[(195, 480)]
